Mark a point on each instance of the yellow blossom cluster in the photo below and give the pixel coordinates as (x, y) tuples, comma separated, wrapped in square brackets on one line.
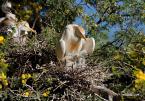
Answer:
[(140, 78), (140, 75), (26, 94), (46, 93), (25, 77), (1, 39), (3, 79)]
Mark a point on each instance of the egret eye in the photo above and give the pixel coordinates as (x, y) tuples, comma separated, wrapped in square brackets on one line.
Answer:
[(23, 32), (10, 31), (26, 33)]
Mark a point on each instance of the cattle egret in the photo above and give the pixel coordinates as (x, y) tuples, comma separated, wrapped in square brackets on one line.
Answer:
[(88, 45), (9, 24), (23, 27), (21, 30), (9, 21), (6, 8), (70, 42), (73, 43)]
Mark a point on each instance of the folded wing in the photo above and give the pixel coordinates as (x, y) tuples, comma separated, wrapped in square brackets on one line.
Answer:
[(88, 45), (60, 50)]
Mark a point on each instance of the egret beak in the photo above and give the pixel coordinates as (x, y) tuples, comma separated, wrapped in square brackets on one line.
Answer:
[(26, 25), (82, 36), (80, 31), (32, 30)]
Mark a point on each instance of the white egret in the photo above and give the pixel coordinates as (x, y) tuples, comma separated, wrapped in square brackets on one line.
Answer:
[(10, 24), (6, 8), (21, 31), (70, 42), (88, 45), (73, 44)]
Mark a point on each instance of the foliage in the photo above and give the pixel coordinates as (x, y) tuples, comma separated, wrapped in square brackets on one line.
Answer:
[(32, 72), (128, 66), (1, 39), (53, 13)]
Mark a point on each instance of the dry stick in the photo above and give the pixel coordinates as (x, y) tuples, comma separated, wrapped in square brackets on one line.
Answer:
[(111, 94), (101, 97), (21, 95), (41, 75), (96, 90), (38, 97), (63, 83), (35, 22), (35, 33)]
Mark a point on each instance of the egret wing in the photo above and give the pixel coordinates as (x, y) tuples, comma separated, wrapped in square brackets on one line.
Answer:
[(88, 45), (60, 50)]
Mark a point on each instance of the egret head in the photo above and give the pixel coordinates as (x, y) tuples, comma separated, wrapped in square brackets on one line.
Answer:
[(80, 32), (6, 7), (24, 26)]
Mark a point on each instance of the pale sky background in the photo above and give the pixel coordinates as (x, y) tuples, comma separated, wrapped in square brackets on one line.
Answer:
[(90, 10)]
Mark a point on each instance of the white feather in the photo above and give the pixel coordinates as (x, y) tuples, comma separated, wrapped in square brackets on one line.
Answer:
[(70, 43), (60, 50), (88, 45)]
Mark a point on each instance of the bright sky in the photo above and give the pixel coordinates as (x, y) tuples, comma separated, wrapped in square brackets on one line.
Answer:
[(90, 10)]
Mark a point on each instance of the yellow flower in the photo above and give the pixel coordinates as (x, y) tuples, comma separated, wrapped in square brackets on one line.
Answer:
[(5, 82), (28, 75), (3, 76), (140, 72), (24, 81), (26, 94), (140, 75), (139, 83), (45, 94), (23, 76), (140, 79), (1, 39)]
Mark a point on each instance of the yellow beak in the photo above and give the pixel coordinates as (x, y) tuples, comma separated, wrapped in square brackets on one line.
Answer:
[(32, 30), (82, 36)]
